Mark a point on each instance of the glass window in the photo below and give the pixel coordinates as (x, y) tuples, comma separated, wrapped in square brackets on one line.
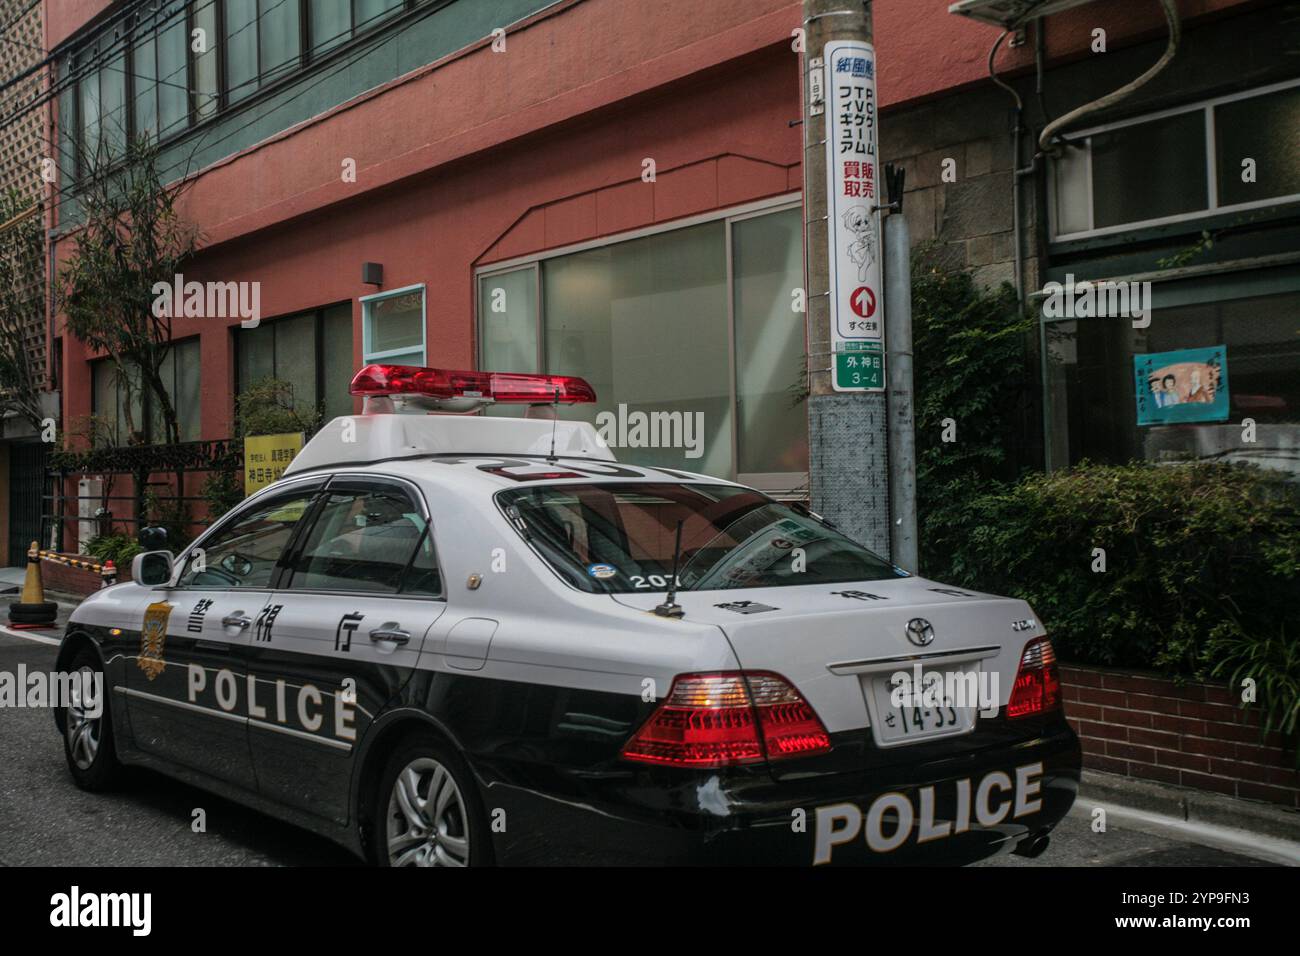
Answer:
[(312, 352), (1262, 128), (767, 266), (117, 404), (184, 390), (370, 12), (243, 553), (362, 541), (423, 576), (731, 537), (205, 64), (295, 357), (144, 65), (1091, 383), (331, 23), (90, 114), (1069, 189), (1149, 170), (112, 105), (393, 328), (241, 48), (645, 322), (507, 310), (337, 355), (173, 76), (278, 29)]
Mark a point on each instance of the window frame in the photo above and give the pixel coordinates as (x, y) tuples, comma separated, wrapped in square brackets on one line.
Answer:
[(369, 356), (147, 410), (1083, 140), (286, 487), (779, 484), (318, 314), (359, 481)]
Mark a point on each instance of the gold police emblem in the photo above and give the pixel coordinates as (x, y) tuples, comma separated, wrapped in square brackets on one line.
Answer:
[(153, 633)]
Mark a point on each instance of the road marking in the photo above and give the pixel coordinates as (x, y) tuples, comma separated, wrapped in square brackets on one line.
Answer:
[(29, 636)]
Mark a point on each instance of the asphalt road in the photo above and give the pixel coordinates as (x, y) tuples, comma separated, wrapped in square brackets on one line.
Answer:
[(45, 820)]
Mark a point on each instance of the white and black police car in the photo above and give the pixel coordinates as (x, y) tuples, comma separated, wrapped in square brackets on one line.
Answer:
[(449, 639)]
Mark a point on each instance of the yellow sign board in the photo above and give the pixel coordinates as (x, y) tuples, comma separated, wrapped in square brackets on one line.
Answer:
[(266, 457)]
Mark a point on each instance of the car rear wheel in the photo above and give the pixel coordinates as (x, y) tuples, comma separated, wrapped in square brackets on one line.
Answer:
[(88, 728), (428, 813)]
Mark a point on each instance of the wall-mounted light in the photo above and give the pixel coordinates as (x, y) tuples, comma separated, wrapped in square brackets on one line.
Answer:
[(372, 273)]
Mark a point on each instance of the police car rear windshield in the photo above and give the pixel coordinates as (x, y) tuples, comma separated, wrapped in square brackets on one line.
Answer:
[(620, 538)]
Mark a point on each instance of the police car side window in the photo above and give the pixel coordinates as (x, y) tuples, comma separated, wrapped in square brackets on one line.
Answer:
[(243, 554), (360, 541)]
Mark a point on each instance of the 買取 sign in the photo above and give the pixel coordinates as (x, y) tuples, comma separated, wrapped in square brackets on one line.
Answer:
[(857, 305)]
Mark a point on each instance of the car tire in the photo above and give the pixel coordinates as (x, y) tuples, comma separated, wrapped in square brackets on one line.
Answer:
[(39, 613), (434, 818), (88, 741)]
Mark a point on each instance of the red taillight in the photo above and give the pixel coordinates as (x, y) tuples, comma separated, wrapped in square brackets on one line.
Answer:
[(712, 720), (502, 387), (1038, 684)]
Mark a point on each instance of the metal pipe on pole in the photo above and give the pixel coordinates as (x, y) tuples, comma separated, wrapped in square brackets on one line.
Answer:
[(848, 453), (903, 543)]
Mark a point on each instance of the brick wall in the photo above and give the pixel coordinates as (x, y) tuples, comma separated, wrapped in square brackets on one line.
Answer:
[(1193, 735)]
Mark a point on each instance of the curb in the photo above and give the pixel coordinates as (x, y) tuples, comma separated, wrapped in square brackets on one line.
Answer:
[(1192, 806)]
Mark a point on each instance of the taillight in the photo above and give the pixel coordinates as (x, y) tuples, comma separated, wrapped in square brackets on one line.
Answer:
[(1038, 684), (714, 720)]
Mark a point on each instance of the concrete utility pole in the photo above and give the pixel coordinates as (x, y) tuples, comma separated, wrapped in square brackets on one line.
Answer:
[(848, 451)]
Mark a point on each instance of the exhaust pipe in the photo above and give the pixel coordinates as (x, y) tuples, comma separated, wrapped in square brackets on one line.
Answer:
[(1033, 846)]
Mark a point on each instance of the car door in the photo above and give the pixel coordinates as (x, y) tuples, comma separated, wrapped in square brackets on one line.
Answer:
[(188, 693), (339, 638)]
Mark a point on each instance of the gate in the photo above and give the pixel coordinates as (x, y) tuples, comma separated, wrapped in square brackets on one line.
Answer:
[(28, 494)]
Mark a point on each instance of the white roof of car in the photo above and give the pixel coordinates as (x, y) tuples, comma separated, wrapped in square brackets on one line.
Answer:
[(368, 439)]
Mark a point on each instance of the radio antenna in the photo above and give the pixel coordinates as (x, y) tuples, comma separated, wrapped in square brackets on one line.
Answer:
[(555, 418)]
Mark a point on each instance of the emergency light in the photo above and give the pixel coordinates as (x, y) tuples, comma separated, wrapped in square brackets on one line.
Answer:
[(451, 390)]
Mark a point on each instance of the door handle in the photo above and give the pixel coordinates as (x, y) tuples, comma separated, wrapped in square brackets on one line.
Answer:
[(392, 632), (236, 620)]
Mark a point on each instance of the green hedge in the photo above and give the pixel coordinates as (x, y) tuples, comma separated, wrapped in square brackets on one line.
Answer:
[(1201, 560)]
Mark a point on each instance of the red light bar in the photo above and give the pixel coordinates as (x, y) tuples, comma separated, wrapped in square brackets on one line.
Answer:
[(509, 388)]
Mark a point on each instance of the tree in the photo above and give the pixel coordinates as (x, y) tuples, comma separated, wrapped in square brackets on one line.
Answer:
[(22, 305), (131, 237)]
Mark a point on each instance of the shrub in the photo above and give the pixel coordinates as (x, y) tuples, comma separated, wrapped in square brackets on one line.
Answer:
[(118, 548), (1200, 562)]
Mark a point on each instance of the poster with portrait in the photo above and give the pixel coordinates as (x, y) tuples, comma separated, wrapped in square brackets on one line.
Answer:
[(1188, 385)]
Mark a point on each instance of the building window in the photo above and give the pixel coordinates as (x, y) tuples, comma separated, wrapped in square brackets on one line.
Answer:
[(311, 352), (693, 322), (393, 327), (1182, 164), (125, 413), (1092, 380), (251, 44)]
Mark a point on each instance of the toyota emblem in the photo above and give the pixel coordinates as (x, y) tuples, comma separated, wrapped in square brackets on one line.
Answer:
[(920, 632)]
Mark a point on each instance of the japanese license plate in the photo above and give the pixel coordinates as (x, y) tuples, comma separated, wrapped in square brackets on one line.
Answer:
[(942, 716)]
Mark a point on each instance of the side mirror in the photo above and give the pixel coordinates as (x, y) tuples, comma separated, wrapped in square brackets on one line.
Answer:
[(153, 538), (152, 568)]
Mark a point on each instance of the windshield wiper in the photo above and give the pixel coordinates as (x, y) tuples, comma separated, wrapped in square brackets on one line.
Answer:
[(670, 607)]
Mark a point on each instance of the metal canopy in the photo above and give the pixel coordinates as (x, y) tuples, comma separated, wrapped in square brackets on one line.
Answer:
[(1011, 14)]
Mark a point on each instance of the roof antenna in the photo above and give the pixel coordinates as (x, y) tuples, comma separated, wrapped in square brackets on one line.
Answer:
[(555, 417), (670, 607)]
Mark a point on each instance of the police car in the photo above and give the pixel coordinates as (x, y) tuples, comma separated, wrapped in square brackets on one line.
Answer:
[(456, 639)]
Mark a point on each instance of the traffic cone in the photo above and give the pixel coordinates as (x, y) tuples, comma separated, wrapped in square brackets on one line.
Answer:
[(32, 610)]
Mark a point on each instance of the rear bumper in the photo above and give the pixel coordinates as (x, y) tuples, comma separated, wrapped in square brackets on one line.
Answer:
[(950, 811)]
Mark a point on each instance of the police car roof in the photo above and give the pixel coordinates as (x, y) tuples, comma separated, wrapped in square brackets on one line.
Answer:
[(367, 439), (474, 450)]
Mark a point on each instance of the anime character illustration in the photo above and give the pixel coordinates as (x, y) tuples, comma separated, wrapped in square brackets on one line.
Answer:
[(863, 250)]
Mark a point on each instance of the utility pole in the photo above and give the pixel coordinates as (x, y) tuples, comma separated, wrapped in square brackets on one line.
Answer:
[(843, 183)]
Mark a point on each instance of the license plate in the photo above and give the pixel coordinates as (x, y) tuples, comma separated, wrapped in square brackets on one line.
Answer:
[(893, 725)]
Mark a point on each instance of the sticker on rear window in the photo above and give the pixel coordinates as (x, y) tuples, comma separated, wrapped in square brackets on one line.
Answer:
[(602, 571)]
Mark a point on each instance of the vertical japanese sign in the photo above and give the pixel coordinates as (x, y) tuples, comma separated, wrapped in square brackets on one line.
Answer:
[(857, 305)]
